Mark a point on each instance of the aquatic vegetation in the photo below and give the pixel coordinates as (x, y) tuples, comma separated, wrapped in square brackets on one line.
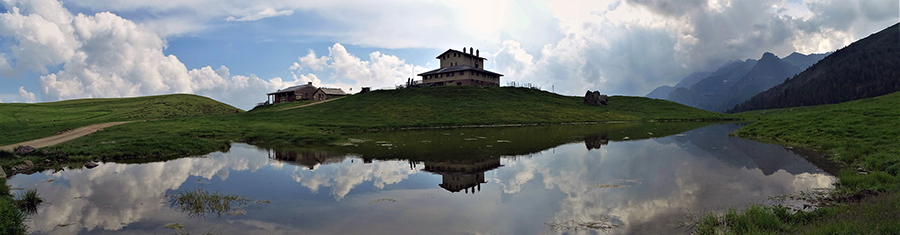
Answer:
[(198, 203), (29, 201), (604, 224)]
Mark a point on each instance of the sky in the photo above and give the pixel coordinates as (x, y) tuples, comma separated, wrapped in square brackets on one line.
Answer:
[(236, 51)]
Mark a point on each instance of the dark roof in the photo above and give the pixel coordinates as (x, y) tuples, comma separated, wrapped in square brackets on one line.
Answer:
[(293, 88), (464, 53), (456, 69), (332, 91)]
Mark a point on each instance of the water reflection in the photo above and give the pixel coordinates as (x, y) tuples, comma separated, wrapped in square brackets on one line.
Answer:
[(594, 142), (531, 180), (461, 175)]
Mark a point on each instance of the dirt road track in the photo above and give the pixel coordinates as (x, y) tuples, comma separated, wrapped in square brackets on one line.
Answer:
[(313, 103), (63, 137)]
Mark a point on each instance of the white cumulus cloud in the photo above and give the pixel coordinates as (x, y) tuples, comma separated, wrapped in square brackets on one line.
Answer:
[(28, 96), (347, 70), (105, 55)]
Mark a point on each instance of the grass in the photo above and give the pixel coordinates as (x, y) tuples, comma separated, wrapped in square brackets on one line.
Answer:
[(168, 135), (11, 218), (23, 122), (198, 203), (467, 105), (861, 135), (28, 201)]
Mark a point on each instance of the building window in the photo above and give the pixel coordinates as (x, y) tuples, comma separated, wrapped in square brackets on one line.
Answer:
[(461, 73)]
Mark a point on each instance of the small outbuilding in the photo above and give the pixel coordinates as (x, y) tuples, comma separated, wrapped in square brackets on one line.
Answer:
[(324, 93)]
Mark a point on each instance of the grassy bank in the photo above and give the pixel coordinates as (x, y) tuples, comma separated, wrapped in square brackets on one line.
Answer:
[(861, 135), (183, 135)]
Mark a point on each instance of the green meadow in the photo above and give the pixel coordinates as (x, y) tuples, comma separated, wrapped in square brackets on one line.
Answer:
[(860, 135), (157, 136)]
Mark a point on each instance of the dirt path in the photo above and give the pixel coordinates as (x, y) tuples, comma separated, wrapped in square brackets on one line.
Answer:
[(63, 137), (313, 103)]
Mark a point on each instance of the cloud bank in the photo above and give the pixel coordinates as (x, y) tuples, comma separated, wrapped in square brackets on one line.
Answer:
[(105, 55), (616, 46)]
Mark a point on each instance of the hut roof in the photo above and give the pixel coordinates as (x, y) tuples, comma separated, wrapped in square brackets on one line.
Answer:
[(293, 88), (458, 68), (332, 91)]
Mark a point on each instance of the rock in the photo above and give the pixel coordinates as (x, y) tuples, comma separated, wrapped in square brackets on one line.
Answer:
[(595, 98), (23, 167), (22, 150), (2, 174), (47, 161), (90, 165)]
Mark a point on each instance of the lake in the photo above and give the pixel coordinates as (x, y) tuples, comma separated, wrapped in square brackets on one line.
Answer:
[(615, 178)]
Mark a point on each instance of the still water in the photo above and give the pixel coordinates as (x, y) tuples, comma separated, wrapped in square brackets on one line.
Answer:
[(617, 179)]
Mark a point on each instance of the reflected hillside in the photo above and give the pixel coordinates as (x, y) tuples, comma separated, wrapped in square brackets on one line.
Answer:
[(744, 153), (306, 158), (479, 143)]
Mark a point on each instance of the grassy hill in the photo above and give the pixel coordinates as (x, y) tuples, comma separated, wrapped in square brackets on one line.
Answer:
[(467, 105), (866, 68), (178, 136), (22, 122)]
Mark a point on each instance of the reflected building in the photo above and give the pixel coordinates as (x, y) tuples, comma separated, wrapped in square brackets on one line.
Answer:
[(594, 142), (308, 159), (462, 175)]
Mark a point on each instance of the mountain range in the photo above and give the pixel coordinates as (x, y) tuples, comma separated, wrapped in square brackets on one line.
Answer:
[(866, 68), (735, 82)]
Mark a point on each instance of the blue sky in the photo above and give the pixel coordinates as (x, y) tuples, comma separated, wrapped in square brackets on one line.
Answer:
[(237, 50)]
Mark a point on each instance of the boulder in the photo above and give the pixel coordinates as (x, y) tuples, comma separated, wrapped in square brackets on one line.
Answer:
[(22, 167), (22, 150), (2, 174), (90, 165), (595, 98)]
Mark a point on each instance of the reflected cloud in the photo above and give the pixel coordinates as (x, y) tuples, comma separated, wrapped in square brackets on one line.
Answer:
[(346, 175), (113, 195), (637, 186)]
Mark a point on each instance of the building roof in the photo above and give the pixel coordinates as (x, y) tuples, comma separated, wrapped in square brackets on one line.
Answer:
[(293, 88), (332, 91), (464, 53), (457, 69)]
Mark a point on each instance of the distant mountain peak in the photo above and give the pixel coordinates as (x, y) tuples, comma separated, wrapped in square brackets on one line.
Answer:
[(866, 68), (768, 56)]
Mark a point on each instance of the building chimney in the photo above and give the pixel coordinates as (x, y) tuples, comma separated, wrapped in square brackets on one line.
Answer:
[(471, 50), (464, 49), (477, 52), (310, 83)]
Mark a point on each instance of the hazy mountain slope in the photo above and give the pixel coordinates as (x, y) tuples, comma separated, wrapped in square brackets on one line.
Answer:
[(768, 72), (660, 92), (692, 79), (804, 61), (867, 68), (707, 93)]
